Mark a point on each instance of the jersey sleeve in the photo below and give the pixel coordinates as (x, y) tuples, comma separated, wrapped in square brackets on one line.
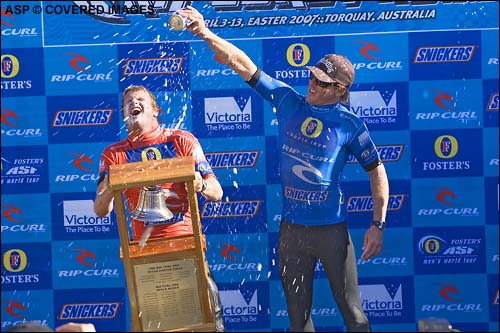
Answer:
[(191, 146), (275, 91), (363, 149)]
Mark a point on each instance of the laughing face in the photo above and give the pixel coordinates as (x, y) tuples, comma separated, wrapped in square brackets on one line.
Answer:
[(139, 111)]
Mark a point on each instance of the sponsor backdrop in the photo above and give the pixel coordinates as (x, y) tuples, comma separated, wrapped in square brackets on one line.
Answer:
[(426, 86)]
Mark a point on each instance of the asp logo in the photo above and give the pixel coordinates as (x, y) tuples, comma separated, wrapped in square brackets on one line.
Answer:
[(298, 55)]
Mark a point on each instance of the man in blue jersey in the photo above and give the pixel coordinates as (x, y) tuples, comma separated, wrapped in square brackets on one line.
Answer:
[(316, 134)]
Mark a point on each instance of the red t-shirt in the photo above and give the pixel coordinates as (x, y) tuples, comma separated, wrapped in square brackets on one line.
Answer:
[(158, 144)]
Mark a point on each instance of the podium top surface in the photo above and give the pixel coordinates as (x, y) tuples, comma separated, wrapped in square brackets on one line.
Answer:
[(148, 173)]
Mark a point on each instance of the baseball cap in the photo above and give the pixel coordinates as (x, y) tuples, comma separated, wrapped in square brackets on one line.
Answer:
[(334, 68)]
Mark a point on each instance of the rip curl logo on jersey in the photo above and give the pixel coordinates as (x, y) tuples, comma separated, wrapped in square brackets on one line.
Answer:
[(89, 311), (150, 154), (239, 159), (359, 204), (444, 54), (15, 260), (13, 307), (9, 210), (443, 97), (493, 102), (153, 66), (311, 127), (230, 209), (446, 146), (73, 118), (8, 114), (298, 55), (10, 66)]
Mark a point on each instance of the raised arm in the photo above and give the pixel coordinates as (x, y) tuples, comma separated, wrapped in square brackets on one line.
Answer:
[(225, 51)]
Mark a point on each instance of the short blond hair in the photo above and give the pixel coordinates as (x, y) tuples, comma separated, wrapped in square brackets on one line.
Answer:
[(133, 88)]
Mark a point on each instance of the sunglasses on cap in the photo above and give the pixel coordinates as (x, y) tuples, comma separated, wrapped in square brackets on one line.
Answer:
[(323, 84)]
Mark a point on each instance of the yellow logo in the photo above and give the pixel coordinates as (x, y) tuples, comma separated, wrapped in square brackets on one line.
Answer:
[(17, 257), (431, 246), (150, 154), (311, 127), (446, 146), (13, 70), (298, 52)]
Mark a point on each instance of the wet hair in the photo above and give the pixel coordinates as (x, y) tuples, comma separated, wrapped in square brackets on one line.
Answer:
[(138, 88), (29, 326)]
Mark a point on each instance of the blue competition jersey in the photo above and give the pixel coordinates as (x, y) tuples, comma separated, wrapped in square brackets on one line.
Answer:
[(314, 143)]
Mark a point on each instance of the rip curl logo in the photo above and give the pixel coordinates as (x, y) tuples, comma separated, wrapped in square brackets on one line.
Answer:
[(8, 114), (448, 288), (83, 256), (8, 210), (368, 47), (442, 96), (9, 15), (329, 66), (227, 249), (12, 308), (78, 58), (82, 158), (444, 194)]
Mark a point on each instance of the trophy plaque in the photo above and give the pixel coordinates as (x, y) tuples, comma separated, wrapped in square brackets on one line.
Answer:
[(166, 277)]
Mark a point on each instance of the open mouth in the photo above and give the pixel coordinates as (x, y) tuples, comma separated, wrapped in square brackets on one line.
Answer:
[(135, 111)]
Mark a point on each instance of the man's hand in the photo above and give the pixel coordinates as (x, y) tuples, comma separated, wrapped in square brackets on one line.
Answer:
[(196, 23), (373, 242)]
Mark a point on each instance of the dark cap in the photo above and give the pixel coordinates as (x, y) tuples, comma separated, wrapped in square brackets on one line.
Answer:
[(334, 68)]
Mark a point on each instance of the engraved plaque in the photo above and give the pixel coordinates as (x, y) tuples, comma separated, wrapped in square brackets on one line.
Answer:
[(168, 295)]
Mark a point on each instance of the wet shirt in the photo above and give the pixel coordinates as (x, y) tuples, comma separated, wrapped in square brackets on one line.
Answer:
[(160, 143), (314, 143)]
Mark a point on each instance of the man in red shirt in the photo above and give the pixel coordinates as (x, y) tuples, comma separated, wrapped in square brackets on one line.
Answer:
[(147, 140)]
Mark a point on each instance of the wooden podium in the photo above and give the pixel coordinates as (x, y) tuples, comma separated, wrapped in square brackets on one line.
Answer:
[(167, 277)]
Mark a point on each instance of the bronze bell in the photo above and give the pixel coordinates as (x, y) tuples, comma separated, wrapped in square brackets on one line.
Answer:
[(151, 206)]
